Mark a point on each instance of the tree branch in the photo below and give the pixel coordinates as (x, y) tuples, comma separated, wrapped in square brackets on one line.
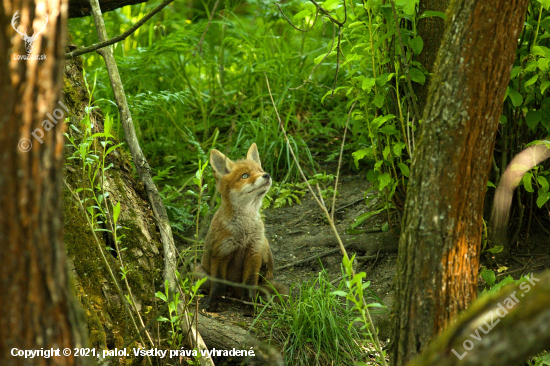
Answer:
[(119, 38)]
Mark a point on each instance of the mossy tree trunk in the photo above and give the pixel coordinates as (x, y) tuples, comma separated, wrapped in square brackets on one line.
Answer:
[(37, 308), (441, 236), (108, 322)]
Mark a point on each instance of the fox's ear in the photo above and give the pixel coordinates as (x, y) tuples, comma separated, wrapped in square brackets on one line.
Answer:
[(220, 163), (254, 155)]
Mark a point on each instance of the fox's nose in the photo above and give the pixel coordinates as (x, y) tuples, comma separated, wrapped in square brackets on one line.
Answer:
[(266, 176)]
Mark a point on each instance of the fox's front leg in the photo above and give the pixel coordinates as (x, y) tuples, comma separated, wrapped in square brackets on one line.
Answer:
[(251, 272), (218, 270)]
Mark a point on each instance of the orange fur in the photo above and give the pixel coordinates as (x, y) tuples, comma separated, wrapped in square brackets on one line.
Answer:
[(235, 247)]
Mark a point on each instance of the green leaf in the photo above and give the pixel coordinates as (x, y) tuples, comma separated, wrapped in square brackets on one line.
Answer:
[(161, 296), (359, 220), (430, 13), (542, 199), (368, 83), (381, 80), (398, 148), (360, 154), (515, 71), (515, 97), (416, 44), (531, 81), (544, 85), (384, 180), (380, 120), (339, 293), (331, 4), (379, 100), (388, 130), (496, 249), (527, 182), (302, 14), (491, 184), (404, 169), (386, 152), (541, 51), (489, 276), (543, 64), (543, 183), (533, 118), (545, 4), (408, 6), (372, 175), (417, 75), (116, 212), (320, 58)]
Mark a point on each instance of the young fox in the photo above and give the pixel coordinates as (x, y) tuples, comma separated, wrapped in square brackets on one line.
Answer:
[(235, 247)]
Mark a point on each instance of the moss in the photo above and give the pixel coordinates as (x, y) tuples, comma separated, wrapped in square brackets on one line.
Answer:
[(106, 316)]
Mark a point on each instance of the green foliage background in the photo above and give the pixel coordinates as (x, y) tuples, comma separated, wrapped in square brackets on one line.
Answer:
[(187, 99)]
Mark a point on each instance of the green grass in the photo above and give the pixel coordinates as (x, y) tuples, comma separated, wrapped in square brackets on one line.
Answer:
[(314, 326)]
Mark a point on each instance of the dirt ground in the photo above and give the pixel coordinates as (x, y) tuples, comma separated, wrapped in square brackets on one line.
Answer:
[(300, 231)]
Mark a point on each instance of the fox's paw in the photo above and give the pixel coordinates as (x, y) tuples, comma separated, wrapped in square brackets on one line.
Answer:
[(214, 306)]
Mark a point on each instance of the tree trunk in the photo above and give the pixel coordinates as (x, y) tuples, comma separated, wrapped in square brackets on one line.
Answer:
[(37, 308), (491, 331), (440, 242), (431, 31)]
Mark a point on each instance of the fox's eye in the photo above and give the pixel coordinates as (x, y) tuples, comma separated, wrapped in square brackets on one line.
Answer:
[(244, 176)]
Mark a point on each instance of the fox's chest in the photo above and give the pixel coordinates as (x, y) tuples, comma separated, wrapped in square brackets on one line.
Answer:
[(244, 235)]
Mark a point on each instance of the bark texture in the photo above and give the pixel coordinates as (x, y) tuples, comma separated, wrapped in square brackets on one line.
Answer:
[(431, 30), (37, 308), (440, 242), (503, 329), (108, 324), (82, 8)]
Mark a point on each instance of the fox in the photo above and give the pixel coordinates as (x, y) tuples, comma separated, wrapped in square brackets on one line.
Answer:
[(235, 246)]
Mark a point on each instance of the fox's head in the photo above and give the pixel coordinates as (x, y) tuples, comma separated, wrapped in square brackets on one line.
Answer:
[(242, 183)]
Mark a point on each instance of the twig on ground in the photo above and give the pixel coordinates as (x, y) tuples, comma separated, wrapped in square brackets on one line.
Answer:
[(311, 258)]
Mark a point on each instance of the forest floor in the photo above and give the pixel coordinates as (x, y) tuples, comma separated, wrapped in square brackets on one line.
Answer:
[(301, 231)]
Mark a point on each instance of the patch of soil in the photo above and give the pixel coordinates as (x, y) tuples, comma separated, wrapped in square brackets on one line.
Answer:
[(301, 231)]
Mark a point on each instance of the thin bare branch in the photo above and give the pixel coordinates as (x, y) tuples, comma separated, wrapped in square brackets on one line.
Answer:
[(320, 62), (292, 24), (199, 46), (340, 161), (116, 39)]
